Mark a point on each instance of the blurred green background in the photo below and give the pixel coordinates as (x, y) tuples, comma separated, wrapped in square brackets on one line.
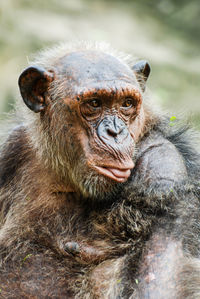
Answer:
[(164, 32)]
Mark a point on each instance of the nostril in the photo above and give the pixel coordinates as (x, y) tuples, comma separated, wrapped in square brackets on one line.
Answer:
[(114, 132), (111, 132)]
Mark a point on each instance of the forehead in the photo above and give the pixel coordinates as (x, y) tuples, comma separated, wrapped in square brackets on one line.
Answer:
[(94, 66)]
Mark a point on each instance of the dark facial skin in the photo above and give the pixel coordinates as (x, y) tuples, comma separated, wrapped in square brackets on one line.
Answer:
[(106, 97)]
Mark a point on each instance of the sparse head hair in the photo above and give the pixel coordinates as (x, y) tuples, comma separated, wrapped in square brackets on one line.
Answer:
[(48, 58)]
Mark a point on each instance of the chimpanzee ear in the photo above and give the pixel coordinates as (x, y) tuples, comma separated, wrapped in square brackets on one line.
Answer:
[(33, 85), (142, 70)]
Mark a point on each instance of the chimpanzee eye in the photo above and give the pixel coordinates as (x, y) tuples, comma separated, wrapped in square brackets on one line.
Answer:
[(95, 103), (91, 109), (128, 103)]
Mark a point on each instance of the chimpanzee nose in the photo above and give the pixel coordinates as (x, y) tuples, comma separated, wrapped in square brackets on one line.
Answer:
[(112, 127), (115, 127)]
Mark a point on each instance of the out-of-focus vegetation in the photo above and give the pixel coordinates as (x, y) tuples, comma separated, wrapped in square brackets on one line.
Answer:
[(165, 32)]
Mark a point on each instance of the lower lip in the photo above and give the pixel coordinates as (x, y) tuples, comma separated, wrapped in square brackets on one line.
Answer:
[(115, 174)]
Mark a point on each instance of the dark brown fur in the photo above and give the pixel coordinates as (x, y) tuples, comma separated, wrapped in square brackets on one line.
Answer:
[(66, 231)]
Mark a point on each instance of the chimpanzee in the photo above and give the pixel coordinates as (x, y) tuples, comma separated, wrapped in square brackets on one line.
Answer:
[(99, 192)]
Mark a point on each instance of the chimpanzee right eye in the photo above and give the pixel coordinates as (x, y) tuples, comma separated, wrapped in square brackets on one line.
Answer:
[(95, 103)]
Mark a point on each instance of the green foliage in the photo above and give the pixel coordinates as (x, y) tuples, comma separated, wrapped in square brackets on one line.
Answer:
[(172, 121)]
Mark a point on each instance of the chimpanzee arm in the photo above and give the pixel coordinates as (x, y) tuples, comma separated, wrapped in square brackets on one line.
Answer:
[(162, 188)]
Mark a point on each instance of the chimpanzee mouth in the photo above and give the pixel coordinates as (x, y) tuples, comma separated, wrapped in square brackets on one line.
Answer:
[(119, 175)]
